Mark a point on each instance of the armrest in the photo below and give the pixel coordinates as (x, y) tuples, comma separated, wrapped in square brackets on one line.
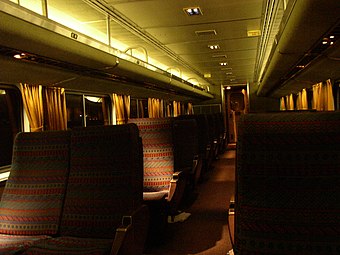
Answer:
[(176, 191), (131, 235)]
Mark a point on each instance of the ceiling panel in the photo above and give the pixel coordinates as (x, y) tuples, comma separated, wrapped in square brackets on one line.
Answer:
[(171, 27)]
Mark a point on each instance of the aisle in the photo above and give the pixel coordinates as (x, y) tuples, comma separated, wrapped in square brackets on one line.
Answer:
[(206, 230)]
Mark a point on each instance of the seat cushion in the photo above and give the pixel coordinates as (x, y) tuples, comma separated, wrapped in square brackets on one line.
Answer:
[(32, 199), (11, 244), (71, 246), (158, 152)]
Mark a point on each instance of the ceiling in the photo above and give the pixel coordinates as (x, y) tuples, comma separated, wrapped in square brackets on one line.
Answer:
[(263, 43), (172, 37)]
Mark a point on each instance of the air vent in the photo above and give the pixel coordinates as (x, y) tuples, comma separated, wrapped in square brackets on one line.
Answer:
[(206, 32)]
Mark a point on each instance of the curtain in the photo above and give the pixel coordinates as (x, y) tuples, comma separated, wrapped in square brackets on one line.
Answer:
[(33, 104), (122, 108), (301, 101), (304, 100), (190, 109), (328, 96), (323, 99), (316, 96), (126, 107), (140, 109), (168, 110), (245, 100), (56, 109), (106, 111), (177, 108), (155, 108), (282, 104), (290, 102), (119, 108)]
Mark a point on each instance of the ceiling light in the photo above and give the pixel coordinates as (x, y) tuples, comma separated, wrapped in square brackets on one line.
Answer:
[(228, 87), (192, 11), (331, 37), (223, 63), (214, 47), (229, 73), (20, 56)]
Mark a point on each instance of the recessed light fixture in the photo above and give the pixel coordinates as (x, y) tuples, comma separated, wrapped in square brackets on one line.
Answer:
[(223, 64), (214, 47), (20, 56), (192, 11)]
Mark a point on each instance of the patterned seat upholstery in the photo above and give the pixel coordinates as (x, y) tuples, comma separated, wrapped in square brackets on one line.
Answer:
[(105, 183), (157, 152), (288, 184), (31, 204)]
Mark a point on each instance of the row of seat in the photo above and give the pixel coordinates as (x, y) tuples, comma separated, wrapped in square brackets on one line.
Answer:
[(177, 153), (75, 192), (94, 190)]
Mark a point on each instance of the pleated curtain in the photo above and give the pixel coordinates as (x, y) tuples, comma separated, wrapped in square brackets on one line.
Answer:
[(177, 108), (283, 104), (323, 99), (301, 101), (33, 105), (155, 108), (45, 106), (122, 108), (56, 109), (290, 102), (190, 109)]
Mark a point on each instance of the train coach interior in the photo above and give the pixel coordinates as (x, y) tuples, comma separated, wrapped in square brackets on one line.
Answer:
[(230, 107)]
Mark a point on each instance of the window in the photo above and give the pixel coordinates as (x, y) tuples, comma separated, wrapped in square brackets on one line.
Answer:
[(139, 108), (87, 110), (10, 121)]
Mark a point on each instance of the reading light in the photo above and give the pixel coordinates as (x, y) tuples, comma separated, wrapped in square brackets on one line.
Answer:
[(191, 11), (214, 47)]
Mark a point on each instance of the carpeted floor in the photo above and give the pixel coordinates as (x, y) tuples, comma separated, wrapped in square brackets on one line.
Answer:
[(205, 232)]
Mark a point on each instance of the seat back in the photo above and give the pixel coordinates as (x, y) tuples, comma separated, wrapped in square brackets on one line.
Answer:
[(288, 184), (158, 152), (185, 140), (32, 200), (105, 182)]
